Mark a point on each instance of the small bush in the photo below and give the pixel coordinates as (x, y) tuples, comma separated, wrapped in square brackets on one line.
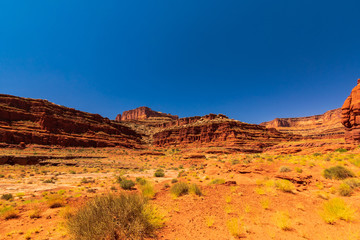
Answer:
[(174, 180), (341, 150), (235, 161), (141, 181), (10, 213), (353, 183), (338, 172), (148, 191), (180, 189), (126, 216), (336, 209), (283, 221), (345, 190), (236, 227), (218, 181), (55, 201), (35, 213), (127, 184), (7, 196), (284, 169), (159, 173), (284, 185), (195, 189), (210, 220)]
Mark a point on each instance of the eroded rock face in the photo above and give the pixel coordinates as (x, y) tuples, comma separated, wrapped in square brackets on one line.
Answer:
[(350, 116), (219, 131), (34, 121), (327, 125), (143, 113)]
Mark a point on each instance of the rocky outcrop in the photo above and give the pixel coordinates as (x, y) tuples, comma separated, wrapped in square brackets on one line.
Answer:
[(327, 125), (219, 131), (34, 121), (350, 116), (143, 113)]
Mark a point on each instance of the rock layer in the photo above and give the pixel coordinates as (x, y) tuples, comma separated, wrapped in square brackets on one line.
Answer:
[(350, 116), (327, 125), (34, 121), (143, 113)]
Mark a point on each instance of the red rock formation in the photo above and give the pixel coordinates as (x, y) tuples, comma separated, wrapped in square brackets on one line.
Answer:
[(33, 121), (350, 116), (143, 113), (220, 132), (327, 125)]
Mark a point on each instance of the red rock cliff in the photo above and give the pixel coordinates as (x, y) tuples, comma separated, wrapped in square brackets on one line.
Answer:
[(350, 116), (143, 113), (327, 125), (35, 121)]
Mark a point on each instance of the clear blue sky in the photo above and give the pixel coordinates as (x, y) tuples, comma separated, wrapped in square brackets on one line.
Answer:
[(252, 60)]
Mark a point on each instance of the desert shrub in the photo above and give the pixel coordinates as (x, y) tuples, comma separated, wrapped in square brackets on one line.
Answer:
[(127, 184), (55, 201), (345, 190), (341, 150), (141, 181), (180, 189), (126, 216), (9, 213), (298, 170), (336, 209), (338, 172), (236, 227), (2, 175), (218, 181), (195, 189), (284, 185), (119, 179), (87, 180), (235, 161), (284, 169), (283, 221), (148, 190), (159, 173), (7, 196), (174, 180), (353, 182), (317, 154), (35, 212), (210, 220)]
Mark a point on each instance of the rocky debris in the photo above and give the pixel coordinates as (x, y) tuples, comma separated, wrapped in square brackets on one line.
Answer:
[(143, 113), (350, 116), (298, 180), (327, 125), (35, 121)]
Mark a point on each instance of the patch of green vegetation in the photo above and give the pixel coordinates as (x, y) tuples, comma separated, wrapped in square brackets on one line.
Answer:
[(218, 181), (338, 172), (159, 173), (284, 169), (336, 209), (127, 216)]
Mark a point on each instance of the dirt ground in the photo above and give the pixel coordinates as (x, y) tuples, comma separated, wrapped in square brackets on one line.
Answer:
[(240, 188)]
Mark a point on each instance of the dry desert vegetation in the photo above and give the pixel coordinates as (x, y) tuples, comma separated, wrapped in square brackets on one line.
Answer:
[(170, 193)]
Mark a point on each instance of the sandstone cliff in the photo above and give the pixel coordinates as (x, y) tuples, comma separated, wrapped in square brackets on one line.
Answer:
[(350, 116), (34, 121), (143, 113), (327, 125)]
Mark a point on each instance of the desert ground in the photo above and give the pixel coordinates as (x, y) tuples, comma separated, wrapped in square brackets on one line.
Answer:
[(230, 196)]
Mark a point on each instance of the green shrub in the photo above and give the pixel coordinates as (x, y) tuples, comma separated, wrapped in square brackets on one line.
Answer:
[(195, 189), (338, 172), (345, 190), (148, 190), (336, 209), (126, 216), (174, 180), (159, 173), (353, 182), (7, 196), (284, 185), (180, 189), (218, 181), (341, 150), (127, 184), (55, 201), (235, 161), (284, 169), (141, 181)]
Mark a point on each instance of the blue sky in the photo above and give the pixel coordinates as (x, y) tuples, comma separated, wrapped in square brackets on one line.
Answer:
[(251, 60)]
